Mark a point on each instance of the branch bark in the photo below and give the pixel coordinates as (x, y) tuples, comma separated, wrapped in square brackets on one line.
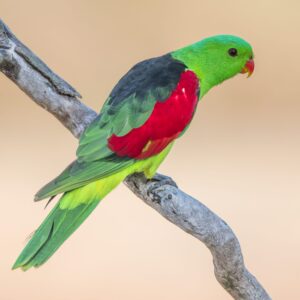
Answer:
[(55, 95)]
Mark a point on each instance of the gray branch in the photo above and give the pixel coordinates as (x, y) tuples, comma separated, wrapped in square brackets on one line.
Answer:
[(55, 95)]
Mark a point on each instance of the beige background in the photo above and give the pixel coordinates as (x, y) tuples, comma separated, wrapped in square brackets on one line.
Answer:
[(240, 156)]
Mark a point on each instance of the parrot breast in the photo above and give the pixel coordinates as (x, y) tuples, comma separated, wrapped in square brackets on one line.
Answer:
[(167, 120)]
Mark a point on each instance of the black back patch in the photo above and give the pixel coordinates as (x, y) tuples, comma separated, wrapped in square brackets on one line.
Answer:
[(157, 77)]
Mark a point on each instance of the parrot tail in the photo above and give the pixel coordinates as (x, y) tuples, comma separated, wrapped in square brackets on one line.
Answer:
[(67, 215)]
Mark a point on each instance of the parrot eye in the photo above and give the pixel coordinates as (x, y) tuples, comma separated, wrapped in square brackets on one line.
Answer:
[(233, 52)]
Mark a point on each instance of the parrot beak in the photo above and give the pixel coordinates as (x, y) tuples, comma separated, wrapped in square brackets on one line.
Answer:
[(248, 68)]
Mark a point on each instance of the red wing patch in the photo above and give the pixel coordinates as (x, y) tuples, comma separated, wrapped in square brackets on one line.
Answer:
[(168, 119)]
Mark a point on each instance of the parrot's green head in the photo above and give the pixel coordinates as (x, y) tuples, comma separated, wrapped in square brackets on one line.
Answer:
[(216, 59)]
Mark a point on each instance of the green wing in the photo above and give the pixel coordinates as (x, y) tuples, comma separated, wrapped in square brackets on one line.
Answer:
[(129, 105), (118, 119)]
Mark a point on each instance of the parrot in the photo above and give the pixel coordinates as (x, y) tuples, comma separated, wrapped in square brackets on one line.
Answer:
[(148, 109)]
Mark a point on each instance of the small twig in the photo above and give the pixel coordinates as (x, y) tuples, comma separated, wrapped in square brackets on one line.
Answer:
[(55, 95)]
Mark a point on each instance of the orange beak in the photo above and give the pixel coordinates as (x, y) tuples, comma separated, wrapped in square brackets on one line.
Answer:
[(249, 67)]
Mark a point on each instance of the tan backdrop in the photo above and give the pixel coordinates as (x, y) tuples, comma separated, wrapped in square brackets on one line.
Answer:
[(240, 156)]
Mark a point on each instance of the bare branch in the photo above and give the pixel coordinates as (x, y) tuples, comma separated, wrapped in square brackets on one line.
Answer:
[(195, 218), (43, 86), (55, 95)]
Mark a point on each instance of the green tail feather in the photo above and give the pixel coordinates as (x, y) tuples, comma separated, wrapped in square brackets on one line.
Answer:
[(56, 228), (73, 208), (68, 214)]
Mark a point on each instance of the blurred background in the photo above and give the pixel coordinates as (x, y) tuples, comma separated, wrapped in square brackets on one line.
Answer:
[(240, 156)]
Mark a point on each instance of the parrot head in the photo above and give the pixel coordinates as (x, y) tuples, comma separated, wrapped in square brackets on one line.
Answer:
[(216, 59)]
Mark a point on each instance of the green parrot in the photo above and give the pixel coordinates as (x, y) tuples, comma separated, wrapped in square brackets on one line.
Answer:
[(149, 108)]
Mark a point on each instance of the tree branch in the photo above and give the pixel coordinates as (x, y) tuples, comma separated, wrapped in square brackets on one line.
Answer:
[(55, 95)]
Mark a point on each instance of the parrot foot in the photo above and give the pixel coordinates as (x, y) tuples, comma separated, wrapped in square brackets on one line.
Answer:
[(162, 180), (157, 183)]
